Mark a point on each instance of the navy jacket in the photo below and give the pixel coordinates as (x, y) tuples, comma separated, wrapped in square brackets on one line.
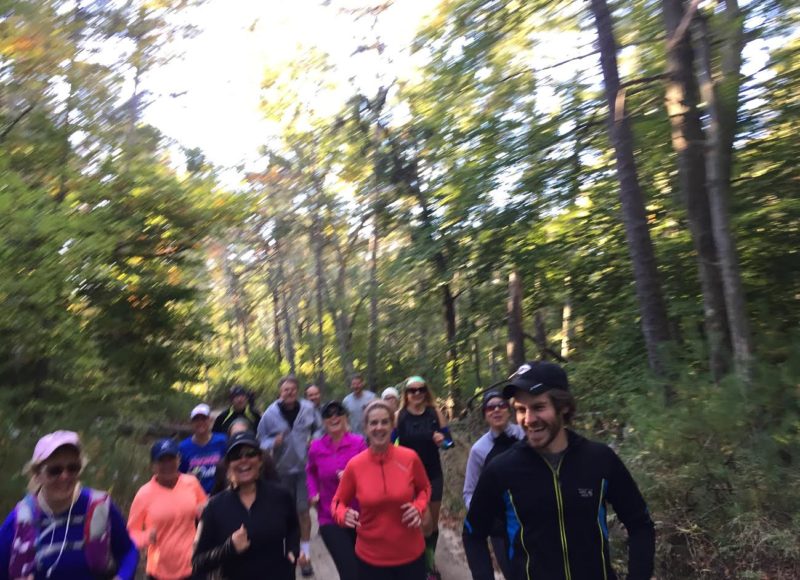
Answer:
[(555, 519)]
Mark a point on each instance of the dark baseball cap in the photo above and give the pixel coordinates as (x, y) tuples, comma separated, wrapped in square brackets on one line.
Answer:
[(332, 408), (242, 438), (237, 390), (488, 396), (164, 447), (536, 377)]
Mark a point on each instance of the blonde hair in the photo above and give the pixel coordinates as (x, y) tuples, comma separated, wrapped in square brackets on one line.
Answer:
[(378, 404), (430, 401)]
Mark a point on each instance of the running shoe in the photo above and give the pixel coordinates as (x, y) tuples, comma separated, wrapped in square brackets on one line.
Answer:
[(306, 570)]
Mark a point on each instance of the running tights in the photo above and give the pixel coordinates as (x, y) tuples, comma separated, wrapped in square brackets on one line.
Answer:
[(412, 571), (341, 544)]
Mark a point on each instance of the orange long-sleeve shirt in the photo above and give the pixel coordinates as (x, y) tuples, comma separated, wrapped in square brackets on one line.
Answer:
[(172, 513), (382, 483)]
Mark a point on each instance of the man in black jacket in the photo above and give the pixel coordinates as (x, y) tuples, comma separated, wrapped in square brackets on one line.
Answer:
[(551, 489), (241, 408)]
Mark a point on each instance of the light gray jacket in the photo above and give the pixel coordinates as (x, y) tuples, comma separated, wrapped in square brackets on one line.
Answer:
[(290, 456)]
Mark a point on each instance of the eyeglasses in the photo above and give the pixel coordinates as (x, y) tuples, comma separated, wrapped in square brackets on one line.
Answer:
[(495, 406), (56, 470), (416, 390), (238, 454)]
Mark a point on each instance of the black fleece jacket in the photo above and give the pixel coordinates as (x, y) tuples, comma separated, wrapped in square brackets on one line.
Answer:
[(272, 527), (556, 518)]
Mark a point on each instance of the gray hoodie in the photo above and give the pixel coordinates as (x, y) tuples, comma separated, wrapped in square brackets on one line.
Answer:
[(290, 456)]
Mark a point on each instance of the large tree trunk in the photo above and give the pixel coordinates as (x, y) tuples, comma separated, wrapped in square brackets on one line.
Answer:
[(655, 325), (722, 100), (688, 140), (374, 330), (515, 347)]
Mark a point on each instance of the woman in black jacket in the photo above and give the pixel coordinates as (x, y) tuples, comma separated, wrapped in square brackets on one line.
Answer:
[(250, 528)]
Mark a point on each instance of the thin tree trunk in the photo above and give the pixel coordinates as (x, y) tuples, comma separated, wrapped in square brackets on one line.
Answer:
[(567, 328), (655, 325), (493, 365), (374, 330), (476, 357), (320, 285), (540, 334), (449, 308), (284, 310), (688, 141), (277, 347), (515, 347), (722, 101)]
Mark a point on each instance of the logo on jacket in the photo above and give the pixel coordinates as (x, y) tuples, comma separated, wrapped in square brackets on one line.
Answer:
[(586, 492)]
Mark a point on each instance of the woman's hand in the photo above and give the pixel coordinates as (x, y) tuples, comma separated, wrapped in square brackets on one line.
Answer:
[(438, 438), (240, 539), (351, 518), (314, 501), (411, 516), (290, 557)]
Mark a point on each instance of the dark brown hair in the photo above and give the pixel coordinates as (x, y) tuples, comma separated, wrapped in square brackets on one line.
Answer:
[(563, 401)]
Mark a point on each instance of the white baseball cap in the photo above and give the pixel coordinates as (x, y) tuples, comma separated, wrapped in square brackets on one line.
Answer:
[(201, 409), (390, 392)]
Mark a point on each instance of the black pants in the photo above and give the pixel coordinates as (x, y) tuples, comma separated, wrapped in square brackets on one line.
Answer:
[(341, 543), (500, 549), (412, 571)]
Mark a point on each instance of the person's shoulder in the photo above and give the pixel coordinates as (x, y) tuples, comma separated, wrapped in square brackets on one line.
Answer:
[(219, 439), (355, 440), (405, 453), (187, 444), (370, 395), (188, 481), (483, 444), (347, 398)]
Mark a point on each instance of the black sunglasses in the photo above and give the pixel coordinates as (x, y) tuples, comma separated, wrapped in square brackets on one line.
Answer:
[(247, 453), (56, 470), (416, 390), (495, 406)]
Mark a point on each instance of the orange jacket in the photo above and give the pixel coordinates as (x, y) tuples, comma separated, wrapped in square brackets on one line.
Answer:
[(382, 483)]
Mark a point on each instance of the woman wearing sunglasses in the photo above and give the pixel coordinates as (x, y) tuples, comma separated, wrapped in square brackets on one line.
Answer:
[(392, 491), (422, 427), (164, 513), (327, 458), (249, 530), (501, 436), (60, 530)]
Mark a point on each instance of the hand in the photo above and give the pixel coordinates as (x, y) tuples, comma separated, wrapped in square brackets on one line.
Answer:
[(240, 540), (351, 518), (290, 557), (438, 438), (303, 560), (278, 440), (151, 538), (339, 474), (411, 516), (314, 501)]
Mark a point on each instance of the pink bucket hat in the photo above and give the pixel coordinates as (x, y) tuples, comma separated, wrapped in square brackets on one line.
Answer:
[(47, 445)]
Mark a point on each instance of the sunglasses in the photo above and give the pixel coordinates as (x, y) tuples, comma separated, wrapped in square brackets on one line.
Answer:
[(56, 470), (417, 390), (495, 406), (238, 454)]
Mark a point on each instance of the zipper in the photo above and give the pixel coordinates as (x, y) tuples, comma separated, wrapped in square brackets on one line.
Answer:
[(383, 476), (561, 525)]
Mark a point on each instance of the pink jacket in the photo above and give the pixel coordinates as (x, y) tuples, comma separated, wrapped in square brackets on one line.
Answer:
[(325, 463)]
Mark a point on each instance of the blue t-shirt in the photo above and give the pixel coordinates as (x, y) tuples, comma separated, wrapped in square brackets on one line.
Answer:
[(202, 461)]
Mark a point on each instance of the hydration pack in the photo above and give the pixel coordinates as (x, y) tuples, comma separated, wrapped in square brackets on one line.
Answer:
[(96, 535)]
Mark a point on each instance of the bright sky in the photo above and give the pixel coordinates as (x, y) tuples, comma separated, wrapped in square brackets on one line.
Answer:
[(219, 77)]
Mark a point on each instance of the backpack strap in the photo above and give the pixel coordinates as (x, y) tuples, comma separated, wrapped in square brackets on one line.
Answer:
[(97, 532), (23, 548)]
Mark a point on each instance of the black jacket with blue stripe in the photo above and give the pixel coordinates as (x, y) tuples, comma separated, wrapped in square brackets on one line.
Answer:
[(556, 518)]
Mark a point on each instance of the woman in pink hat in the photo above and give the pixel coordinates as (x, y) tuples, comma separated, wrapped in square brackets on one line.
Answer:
[(61, 530)]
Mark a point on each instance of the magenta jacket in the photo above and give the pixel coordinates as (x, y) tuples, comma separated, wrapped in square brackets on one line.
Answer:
[(324, 463)]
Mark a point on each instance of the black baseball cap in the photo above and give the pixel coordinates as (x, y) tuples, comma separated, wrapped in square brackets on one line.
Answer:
[(242, 438), (332, 408), (536, 377), (237, 390), (488, 396)]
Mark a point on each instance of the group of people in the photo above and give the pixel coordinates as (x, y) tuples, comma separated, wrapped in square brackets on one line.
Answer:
[(233, 500)]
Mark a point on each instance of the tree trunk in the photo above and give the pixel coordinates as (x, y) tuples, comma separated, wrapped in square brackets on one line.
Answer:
[(655, 326), (515, 347), (567, 328), (320, 313), (540, 335), (276, 321), (722, 101), (688, 141), (284, 310), (374, 330), (449, 308)]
